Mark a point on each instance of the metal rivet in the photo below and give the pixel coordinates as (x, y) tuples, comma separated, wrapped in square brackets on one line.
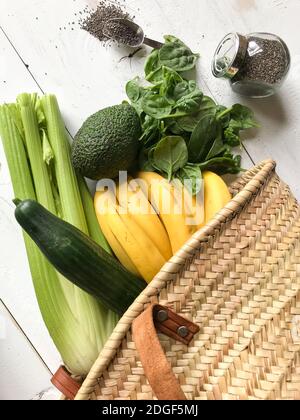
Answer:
[(183, 331), (162, 316)]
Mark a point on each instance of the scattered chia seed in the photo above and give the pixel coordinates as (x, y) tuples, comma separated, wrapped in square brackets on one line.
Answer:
[(268, 65), (94, 21)]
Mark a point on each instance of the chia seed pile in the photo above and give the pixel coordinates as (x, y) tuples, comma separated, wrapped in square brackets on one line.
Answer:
[(94, 21), (122, 33), (268, 65)]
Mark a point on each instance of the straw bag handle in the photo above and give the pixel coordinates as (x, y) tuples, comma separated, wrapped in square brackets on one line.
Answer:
[(157, 369)]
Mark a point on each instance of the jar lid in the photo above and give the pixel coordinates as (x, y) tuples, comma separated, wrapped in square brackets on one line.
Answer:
[(229, 55)]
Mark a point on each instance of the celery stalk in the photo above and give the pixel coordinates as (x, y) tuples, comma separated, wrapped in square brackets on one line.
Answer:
[(64, 329), (73, 211), (38, 155), (35, 152), (91, 218)]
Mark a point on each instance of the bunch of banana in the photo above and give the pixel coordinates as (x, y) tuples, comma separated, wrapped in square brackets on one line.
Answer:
[(133, 229), (146, 220), (175, 206)]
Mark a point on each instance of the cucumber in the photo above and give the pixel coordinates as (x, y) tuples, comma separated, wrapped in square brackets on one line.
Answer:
[(78, 258)]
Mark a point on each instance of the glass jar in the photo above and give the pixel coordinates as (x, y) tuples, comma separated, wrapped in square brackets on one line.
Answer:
[(256, 64)]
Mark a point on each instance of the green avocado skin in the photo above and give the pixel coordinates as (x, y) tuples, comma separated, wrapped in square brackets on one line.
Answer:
[(107, 142)]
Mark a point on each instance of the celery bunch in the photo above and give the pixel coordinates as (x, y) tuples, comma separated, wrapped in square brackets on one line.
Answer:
[(38, 156)]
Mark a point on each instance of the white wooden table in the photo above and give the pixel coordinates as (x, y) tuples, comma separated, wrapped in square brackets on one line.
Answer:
[(35, 55)]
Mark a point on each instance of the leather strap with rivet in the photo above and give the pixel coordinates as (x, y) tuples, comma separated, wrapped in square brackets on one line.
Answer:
[(156, 367)]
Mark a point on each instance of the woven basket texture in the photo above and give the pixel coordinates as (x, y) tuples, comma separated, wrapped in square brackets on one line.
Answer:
[(238, 278)]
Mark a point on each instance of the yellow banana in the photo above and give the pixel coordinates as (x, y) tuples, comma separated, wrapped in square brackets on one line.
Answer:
[(102, 208), (145, 215), (216, 194), (128, 239), (169, 202)]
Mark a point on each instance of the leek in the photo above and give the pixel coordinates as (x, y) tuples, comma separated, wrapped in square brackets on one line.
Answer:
[(38, 155)]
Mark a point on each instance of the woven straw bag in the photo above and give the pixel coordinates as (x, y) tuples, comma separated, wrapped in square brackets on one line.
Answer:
[(236, 284)]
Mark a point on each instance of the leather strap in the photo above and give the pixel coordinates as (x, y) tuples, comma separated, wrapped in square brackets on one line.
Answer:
[(157, 369), (63, 381)]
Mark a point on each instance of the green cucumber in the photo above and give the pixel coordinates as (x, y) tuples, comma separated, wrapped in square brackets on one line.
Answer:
[(78, 258)]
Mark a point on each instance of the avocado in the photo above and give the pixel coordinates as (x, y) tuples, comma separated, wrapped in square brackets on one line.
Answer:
[(107, 142)]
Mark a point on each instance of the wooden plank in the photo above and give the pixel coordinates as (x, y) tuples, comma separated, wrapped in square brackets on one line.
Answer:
[(16, 288), (86, 77), (23, 374)]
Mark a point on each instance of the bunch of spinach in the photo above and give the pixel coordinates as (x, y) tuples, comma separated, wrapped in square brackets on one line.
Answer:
[(184, 132)]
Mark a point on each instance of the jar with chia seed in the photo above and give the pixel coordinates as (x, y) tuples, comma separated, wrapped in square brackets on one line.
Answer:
[(256, 64)]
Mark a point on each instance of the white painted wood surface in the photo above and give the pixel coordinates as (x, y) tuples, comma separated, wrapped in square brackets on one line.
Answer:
[(86, 77), (19, 363)]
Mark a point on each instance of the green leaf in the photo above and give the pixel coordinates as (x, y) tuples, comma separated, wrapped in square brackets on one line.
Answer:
[(208, 105), (170, 155), (171, 79), (231, 137), (173, 126), (153, 131), (242, 117), (144, 161), (152, 63), (172, 38), (189, 103), (133, 90), (191, 173), (176, 55), (156, 105), (156, 76), (202, 138), (189, 122), (217, 146), (222, 165)]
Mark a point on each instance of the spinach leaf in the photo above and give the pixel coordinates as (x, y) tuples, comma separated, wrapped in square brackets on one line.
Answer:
[(232, 137), (189, 122), (189, 103), (176, 90), (172, 38), (173, 126), (133, 89), (171, 79), (193, 175), (183, 89), (242, 117), (222, 165), (144, 160), (156, 106), (152, 63), (176, 55), (156, 77), (170, 155), (208, 105), (218, 146), (152, 129), (223, 115), (202, 138), (135, 92)]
